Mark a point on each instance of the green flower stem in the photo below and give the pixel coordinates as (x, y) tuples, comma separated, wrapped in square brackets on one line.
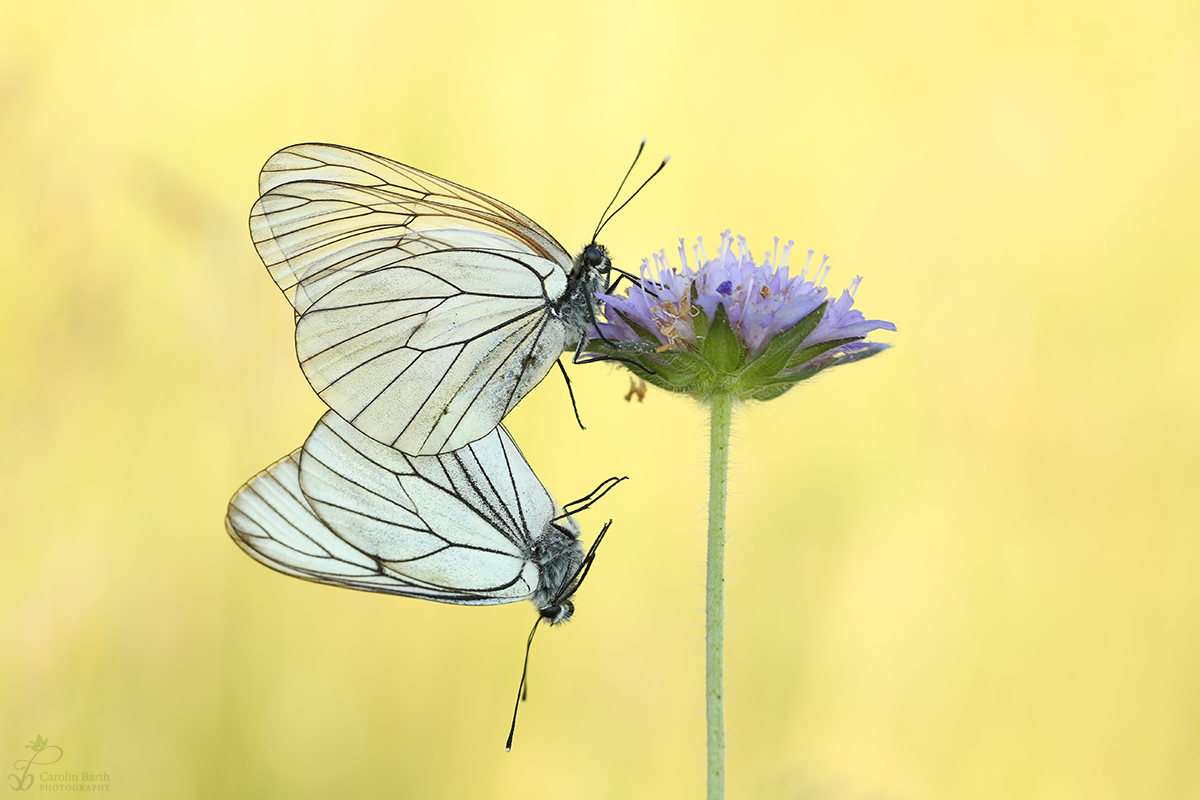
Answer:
[(714, 607)]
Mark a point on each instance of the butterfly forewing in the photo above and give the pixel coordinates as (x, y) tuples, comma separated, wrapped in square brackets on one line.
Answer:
[(325, 208), (424, 308)]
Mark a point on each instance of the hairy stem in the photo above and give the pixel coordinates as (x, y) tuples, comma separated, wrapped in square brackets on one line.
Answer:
[(714, 608)]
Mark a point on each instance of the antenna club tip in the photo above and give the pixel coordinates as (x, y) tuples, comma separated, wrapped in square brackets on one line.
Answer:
[(644, 140), (666, 158)]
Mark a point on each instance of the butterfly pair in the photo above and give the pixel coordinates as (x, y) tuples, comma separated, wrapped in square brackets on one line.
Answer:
[(424, 312)]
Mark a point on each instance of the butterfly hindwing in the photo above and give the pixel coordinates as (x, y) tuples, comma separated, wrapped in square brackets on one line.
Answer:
[(274, 523), (473, 527), (419, 356)]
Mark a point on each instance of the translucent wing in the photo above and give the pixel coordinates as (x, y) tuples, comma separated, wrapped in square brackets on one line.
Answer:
[(327, 212), (421, 356), (271, 520), (472, 527), (423, 306)]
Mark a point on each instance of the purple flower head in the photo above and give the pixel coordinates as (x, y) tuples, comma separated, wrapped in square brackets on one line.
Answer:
[(731, 325)]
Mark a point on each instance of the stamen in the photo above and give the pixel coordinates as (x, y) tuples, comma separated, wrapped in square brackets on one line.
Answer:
[(822, 271), (787, 251), (807, 263)]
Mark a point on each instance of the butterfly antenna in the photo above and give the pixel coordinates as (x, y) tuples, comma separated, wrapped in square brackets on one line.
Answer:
[(604, 220), (628, 172), (575, 506), (512, 729)]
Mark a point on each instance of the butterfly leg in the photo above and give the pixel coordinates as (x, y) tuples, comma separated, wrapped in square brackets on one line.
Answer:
[(571, 392)]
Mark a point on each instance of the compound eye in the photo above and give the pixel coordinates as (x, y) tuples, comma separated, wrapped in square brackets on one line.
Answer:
[(558, 613), (593, 255)]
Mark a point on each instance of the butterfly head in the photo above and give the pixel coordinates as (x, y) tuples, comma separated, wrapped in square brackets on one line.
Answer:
[(558, 612), (591, 267), (595, 257)]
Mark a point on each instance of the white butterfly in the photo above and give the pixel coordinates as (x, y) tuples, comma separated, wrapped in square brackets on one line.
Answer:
[(472, 527), (425, 310)]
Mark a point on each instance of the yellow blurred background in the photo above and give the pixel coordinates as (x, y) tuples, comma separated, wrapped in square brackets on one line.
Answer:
[(967, 568)]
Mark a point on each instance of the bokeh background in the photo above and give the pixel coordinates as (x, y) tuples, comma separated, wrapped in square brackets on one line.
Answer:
[(967, 568)]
